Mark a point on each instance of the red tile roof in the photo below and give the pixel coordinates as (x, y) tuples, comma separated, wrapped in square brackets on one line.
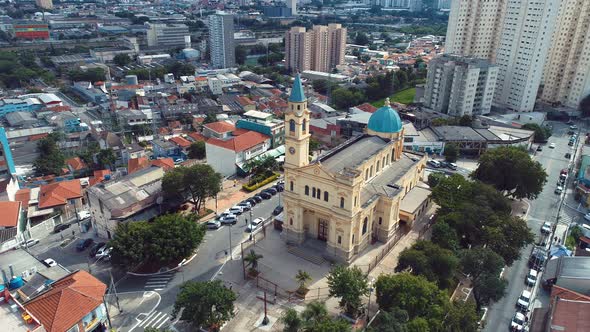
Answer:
[(37, 137), (23, 196), (244, 101), (165, 163), (570, 312), (240, 143), (136, 164), (68, 300), (76, 163), (366, 107), (9, 213), (175, 124), (220, 127), (197, 137), (240, 131), (58, 193), (98, 176), (180, 141)]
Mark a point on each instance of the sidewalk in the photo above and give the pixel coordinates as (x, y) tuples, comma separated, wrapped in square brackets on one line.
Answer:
[(133, 304)]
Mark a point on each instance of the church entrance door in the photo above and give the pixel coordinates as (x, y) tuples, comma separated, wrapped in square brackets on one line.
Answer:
[(323, 230)]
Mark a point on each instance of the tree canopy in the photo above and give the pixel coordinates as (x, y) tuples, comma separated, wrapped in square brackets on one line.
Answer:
[(431, 261), (483, 265), (205, 304), (541, 133), (168, 239), (451, 152), (197, 150), (349, 284), (198, 182), (510, 169), (122, 60), (313, 318), (51, 159)]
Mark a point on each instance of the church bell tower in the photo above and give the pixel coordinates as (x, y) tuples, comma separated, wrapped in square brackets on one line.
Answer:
[(297, 128)]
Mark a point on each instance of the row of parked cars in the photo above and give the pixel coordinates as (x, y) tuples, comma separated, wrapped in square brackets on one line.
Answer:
[(97, 250), (442, 164), (230, 216)]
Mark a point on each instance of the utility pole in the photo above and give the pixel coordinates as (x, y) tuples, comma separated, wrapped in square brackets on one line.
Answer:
[(230, 252)]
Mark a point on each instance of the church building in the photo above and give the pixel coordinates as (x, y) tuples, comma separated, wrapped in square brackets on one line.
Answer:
[(361, 191)]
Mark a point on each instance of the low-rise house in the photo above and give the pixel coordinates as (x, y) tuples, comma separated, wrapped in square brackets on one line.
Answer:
[(12, 218), (133, 150), (227, 156), (219, 129), (266, 124), (167, 149), (136, 164), (76, 165), (134, 197)]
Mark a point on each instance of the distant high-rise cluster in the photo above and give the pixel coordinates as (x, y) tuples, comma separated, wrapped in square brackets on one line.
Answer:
[(221, 40), (319, 49), (516, 35), (411, 5)]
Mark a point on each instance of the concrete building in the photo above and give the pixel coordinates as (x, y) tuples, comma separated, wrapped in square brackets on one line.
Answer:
[(522, 52), (474, 28), (410, 5), (131, 198), (365, 189), (443, 5), (167, 35), (266, 124), (44, 4), (292, 4), (30, 30), (567, 71), (221, 40), (460, 86), (7, 168), (319, 49)]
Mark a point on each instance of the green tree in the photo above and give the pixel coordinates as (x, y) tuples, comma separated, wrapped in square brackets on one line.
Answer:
[(314, 312), (483, 266), (210, 118), (541, 133), (314, 144), (390, 321), (431, 261), (206, 304), (320, 86), (302, 278), (413, 294), (173, 237), (584, 106), (510, 169), (462, 316), (91, 75), (435, 178), (445, 236), (349, 284), (314, 318), (198, 182), (122, 60), (51, 160), (106, 158), (451, 152), (291, 321), (129, 246), (197, 150), (465, 121), (361, 39), (252, 259)]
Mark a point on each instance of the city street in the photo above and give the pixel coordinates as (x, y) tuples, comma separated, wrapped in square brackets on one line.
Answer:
[(544, 208), (207, 264)]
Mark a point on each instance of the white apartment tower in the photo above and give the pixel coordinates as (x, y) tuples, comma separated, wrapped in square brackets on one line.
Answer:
[(459, 86), (319, 49), (293, 5), (567, 71), (522, 52), (221, 40), (474, 28)]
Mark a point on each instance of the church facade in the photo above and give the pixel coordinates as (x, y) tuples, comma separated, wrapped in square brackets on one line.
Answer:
[(353, 194)]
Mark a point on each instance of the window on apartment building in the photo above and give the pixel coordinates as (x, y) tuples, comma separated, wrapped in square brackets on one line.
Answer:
[(304, 126), (366, 174), (365, 222), (307, 190), (292, 126), (291, 185), (342, 202), (319, 194), (326, 196), (355, 200)]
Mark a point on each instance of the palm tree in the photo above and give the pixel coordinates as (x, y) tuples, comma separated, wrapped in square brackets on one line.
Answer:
[(315, 311), (291, 320), (302, 278), (252, 259)]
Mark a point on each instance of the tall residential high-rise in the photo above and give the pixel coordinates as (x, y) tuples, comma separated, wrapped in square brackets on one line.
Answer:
[(443, 4), (459, 85), (221, 40), (172, 35), (45, 4), (567, 71), (320, 49), (522, 52), (293, 5), (474, 28), (411, 5)]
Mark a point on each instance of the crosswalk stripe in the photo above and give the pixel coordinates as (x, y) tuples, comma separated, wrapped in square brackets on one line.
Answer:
[(154, 323), (154, 318), (155, 286), (146, 319), (162, 323)]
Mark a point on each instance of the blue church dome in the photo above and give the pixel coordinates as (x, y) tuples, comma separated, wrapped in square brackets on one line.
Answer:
[(385, 120)]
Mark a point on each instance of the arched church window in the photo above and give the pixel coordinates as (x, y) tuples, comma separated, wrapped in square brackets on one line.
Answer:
[(292, 126), (365, 222), (304, 125), (307, 190)]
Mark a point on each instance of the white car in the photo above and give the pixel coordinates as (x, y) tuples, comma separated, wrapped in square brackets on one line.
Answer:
[(228, 219), (552, 146), (587, 216), (236, 209), (546, 228), (29, 243), (213, 224), (253, 225), (103, 252), (531, 277), (517, 322), (524, 300), (49, 262), (559, 190)]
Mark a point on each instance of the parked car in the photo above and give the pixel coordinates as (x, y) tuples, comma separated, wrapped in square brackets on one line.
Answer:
[(245, 206), (573, 127), (558, 190), (564, 172), (104, 252), (254, 224), (236, 209), (546, 228), (568, 156), (252, 201), (524, 300), (539, 148), (265, 195), (49, 262), (434, 163), (517, 323), (452, 166), (29, 243), (229, 219), (271, 191), (531, 277), (570, 143), (83, 244), (213, 224), (552, 146), (60, 227), (277, 210), (587, 216), (95, 248), (279, 188), (537, 259), (257, 198)]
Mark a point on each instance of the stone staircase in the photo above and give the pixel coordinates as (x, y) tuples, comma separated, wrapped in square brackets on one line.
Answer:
[(305, 254)]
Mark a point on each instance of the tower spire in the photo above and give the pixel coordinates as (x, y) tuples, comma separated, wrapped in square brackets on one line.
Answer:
[(297, 94)]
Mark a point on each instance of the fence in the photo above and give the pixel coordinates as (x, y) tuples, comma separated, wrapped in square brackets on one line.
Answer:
[(384, 251), (256, 236)]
